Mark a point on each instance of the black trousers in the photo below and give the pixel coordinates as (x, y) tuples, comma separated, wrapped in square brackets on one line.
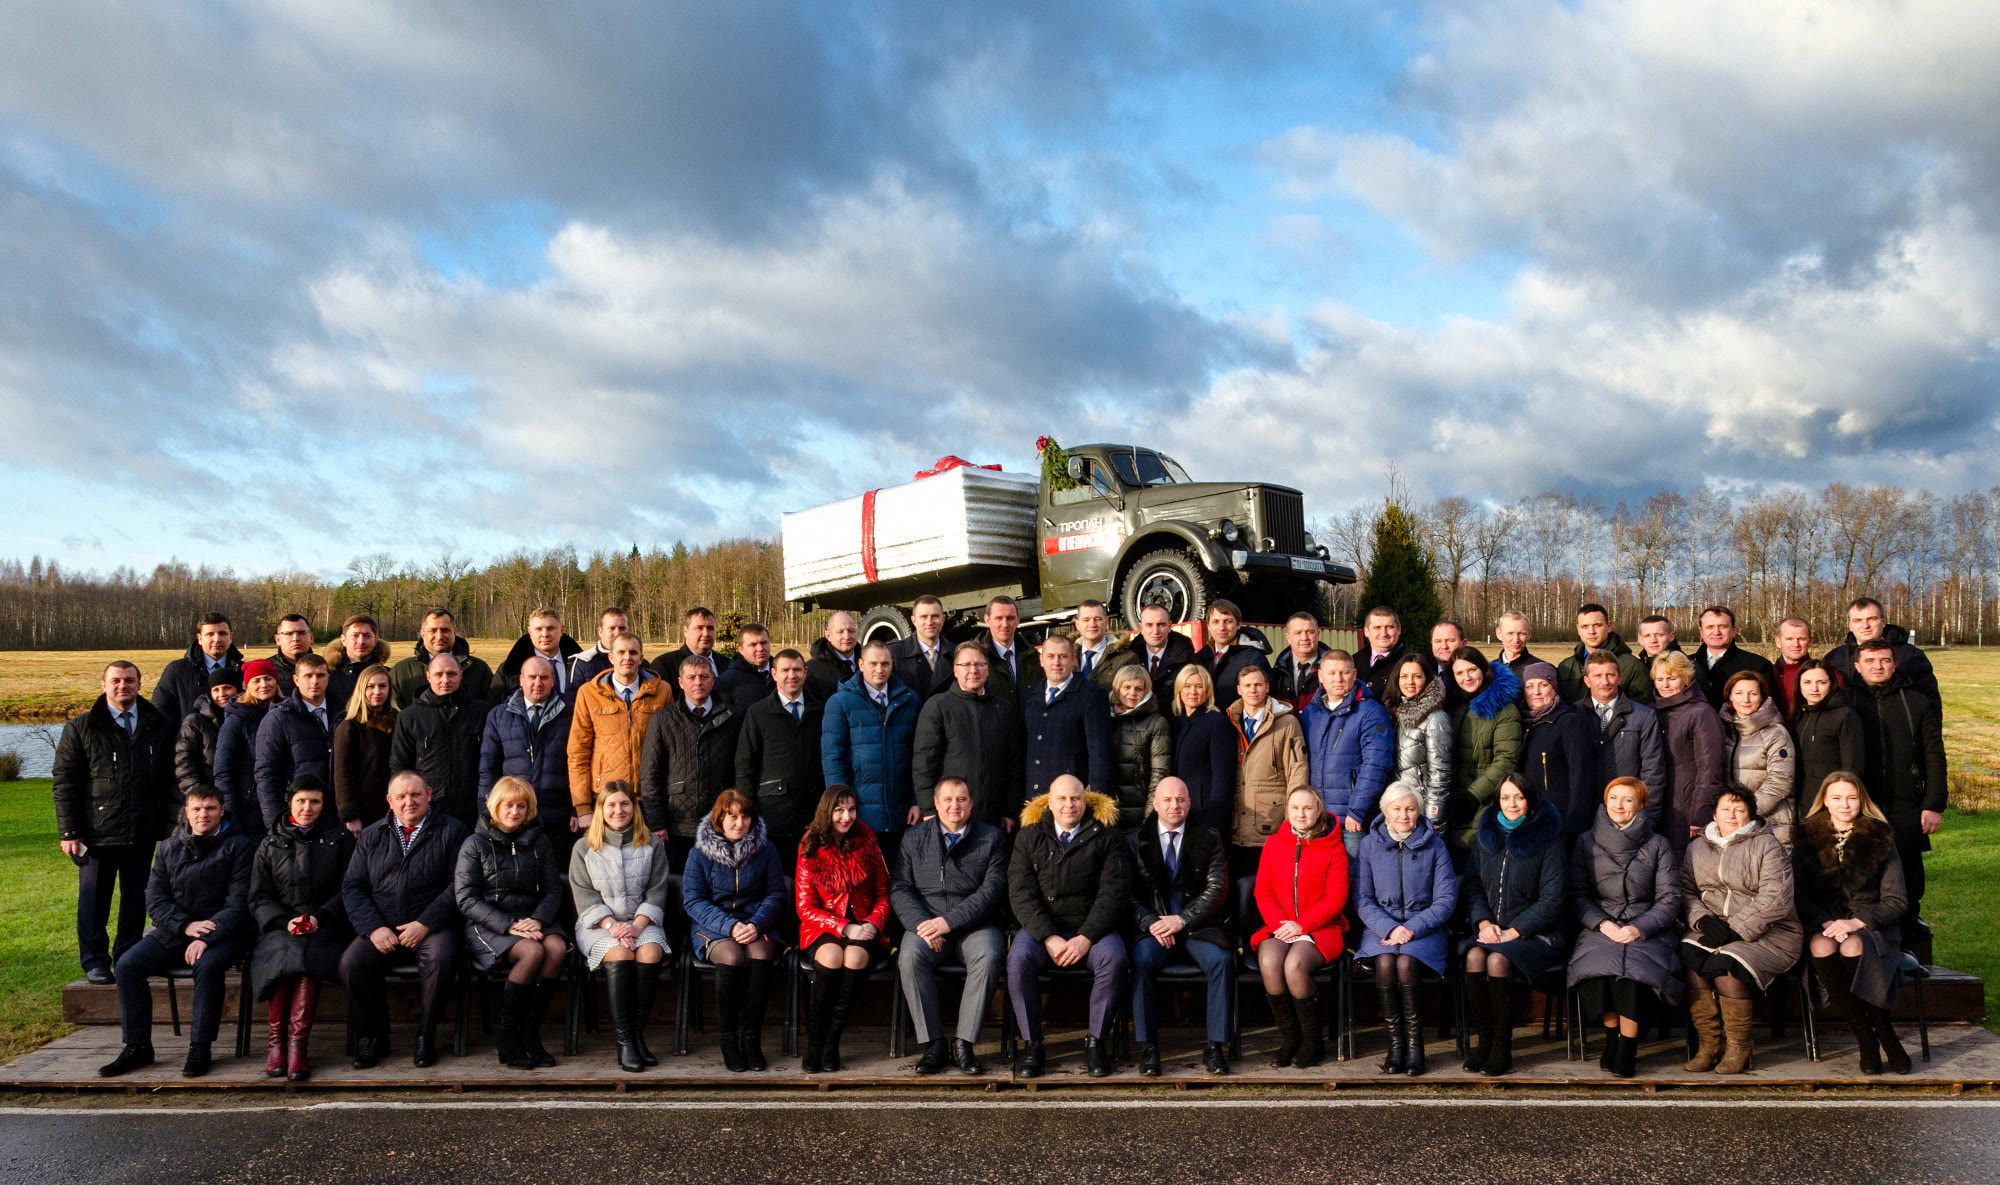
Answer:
[(149, 957), (1912, 855), (120, 869), (361, 977)]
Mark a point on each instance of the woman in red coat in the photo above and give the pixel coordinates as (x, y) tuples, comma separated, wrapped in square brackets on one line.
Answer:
[(843, 901), (1301, 895)]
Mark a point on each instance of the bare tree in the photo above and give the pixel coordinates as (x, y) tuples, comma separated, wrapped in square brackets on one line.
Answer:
[(1448, 526)]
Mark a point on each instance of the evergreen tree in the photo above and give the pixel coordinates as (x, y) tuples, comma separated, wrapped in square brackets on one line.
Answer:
[(1401, 576)]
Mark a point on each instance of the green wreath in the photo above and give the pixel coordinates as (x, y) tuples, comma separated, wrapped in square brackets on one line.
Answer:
[(1055, 464)]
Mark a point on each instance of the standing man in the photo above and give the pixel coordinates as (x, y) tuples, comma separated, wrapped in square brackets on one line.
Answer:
[(689, 757), (923, 660), (1794, 648), (948, 889), (1093, 644), (1227, 651), (1295, 676), (1350, 747), (834, 659), (867, 741), (1180, 896), (438, 736), (1067, 722), (1903, 737), (748, 677), (1865, 623), (1007, 671), (1160, 650), (1656, 637), (1629, 743), (294, 738), (1594, 635), (527, 737), (545, 638), (607, 730), (359, 647), (777, 756), (1514, 633), (1375, 666), (183, 686), (440, 637), (697, 641), (971, 737), (1720, 656), (295, 641), (589, 664), (114, 798), (1446, 637)]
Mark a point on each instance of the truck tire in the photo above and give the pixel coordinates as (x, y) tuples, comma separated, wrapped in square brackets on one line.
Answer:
[(885, 623), (1171, 578)]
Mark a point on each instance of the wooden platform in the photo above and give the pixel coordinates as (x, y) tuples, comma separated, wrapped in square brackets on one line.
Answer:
[(1963, 1057)]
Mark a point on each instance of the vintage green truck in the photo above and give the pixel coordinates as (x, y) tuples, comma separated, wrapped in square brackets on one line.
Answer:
[(1130, 528)]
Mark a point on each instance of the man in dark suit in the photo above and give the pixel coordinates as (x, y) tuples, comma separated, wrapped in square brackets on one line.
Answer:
[(1067, 722), (698, 640), (1228, 652), (1009, 670), (948, 891), (777, 755), (1180, 890), (1157, 648), (748, 677), (1720, 657), (835, 657), (923, 660)]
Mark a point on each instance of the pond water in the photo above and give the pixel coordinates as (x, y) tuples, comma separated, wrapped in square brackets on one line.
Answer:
[(36, 743)]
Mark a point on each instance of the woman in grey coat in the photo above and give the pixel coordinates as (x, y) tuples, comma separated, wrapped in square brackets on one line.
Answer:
[(618, 879), (1626, 890), (1742, 929), (1760, 750), (1423, 735), (509, 888), (1851, 900)]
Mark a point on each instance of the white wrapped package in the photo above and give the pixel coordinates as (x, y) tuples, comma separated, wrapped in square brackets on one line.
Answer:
[(963, 517)]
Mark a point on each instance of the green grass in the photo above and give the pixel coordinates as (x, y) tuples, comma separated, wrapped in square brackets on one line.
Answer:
[(37, 919), (1962, 900)]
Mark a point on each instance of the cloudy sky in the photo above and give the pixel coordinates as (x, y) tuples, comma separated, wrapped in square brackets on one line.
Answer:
[(285, 283)]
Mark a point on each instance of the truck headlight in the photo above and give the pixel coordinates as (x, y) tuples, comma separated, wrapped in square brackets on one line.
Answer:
[(1229, 530)]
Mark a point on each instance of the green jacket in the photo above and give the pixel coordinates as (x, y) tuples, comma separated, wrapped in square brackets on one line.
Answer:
[(1486, 737), (1634, 680)]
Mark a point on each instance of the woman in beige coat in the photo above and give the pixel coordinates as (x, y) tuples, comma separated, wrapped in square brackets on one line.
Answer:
[(1760, 751), (1742, 929)]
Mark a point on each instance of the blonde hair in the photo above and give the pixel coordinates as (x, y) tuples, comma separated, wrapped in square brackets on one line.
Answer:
[(358, 710), (641, 836), (1131, 672), (1193, 673), (1868, 806), (506, 790), (1674, 663), (1511, 615)]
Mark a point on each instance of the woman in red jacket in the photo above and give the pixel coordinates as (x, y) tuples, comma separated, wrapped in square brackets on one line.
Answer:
[(843, 901), (1301, 895)]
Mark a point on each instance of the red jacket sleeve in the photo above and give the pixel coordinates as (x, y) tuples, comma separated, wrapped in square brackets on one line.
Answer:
[(813, 914)]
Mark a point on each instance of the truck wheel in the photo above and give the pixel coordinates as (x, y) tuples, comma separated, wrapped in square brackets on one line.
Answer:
[(1171, 579), (885, 623)]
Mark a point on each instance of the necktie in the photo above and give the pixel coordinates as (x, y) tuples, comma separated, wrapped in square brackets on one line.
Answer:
[(1066, 836), (1152, 666), (794, 706), (534, 718), (700, 713), (1173, 853), (950, 841), (1249, 728), (1089, 660), (407, 834), (1051, 696), (319, 715), (125, 721), (627, 694)]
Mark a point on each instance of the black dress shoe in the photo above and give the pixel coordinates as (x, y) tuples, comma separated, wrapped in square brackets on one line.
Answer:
[(426, 1052), (130, 1058), (1149, 1061), (1032, 1061), (101, 976), (1096, 1058), (1215, 1059), (199, 1059), (367, 1052), (933, 1059), (961, 1052)]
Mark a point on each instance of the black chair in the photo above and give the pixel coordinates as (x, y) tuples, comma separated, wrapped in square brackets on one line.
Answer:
[(1333, 978), (242, 969), (1917, 974)]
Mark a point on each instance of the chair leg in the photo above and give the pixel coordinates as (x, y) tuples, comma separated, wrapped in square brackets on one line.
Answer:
[(896, 1021), (793, 968), (243, 1012), (460, 1038), (1808, 1023), (1006, 1022), (173, 1005), (1458, 1015), (1235, 1020), (353, 1034), (1923, 1022), (573, 986), (1777, 1016), (681, 989)]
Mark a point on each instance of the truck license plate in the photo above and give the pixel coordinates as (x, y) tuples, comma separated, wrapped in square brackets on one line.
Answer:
[(1302, 564)]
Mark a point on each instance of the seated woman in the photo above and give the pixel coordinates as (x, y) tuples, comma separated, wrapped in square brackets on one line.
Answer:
[(1301, 893), (509, 887), (1760, 750), (1851, 901), (734, 894), (1404, 891), (618, 880), (1513, 889), (843, 903), (1742, 930), (1626, 889), (301, 922)]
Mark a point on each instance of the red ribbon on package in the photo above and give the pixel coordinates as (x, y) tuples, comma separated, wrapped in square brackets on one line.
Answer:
[(868, 535), (947, 463)]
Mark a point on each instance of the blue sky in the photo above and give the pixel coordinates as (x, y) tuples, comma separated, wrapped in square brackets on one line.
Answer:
[(286, 286)]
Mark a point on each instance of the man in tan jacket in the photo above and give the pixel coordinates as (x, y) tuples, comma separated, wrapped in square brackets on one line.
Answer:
[(1272, 760), (607, 731)]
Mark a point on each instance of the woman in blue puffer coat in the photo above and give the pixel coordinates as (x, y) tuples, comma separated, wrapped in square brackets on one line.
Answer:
[(1404, 890)]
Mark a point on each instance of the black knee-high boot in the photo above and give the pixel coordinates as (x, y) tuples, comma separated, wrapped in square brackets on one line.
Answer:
[(850, 982), (756, 997), (1312, 1041), (514, 1001), (1286, 1017), (1501, 1059), (729, 1012), (1479, 1019), (1413, 1030), (822, 988), (1836, 978), (643, 991), (1392, 1020), (538, 1012), (621, 983)]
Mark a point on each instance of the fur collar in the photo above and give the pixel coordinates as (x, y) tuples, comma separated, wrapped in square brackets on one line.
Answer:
[(1536, 832), (1501, 689), (337, 658), (709, 842), (1411, 712), (1719, 841), (1102, 807), (1850, 867)]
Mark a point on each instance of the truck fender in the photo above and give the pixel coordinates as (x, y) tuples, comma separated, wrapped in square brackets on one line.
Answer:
[(1211, 554)]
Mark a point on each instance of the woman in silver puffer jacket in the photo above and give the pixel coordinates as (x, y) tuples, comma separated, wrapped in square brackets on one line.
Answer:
[(1423, 735)]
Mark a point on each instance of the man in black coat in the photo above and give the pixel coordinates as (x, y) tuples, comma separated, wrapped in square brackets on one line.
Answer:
[(1180, 892), (588, 664), (1156, 647), (114, 798), (1865, 623), (1382, 652), (439, 737), (1720, 657), (777, 756), (1070, 883), (199, 899), (359, 647), (948, 888), (689, 758), (1903, 739), (748, 677), (1295, 673), (439, 637), (528, 737), (295, 737), (836, 657), (697, 641), (1514, 633), (1229, 650), (294, 639), (971, 736), (1009, 669), (924, 659), (546, 638), (398, 893), (183, 685), (1066, 724)]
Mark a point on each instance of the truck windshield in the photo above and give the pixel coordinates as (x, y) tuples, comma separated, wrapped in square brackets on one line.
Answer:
[(1148, 469)]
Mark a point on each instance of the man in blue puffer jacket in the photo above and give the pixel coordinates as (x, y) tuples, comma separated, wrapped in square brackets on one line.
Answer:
[(1350, 747), (867, 739)]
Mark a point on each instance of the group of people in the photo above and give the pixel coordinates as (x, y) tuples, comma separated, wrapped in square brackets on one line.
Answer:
[(1648, 827)]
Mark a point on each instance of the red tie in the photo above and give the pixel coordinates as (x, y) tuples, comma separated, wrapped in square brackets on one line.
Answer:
[(699, 713)]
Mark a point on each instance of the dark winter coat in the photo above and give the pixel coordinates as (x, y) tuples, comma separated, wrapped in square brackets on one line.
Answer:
[(298, 873), (114, 788), (361, 771), (1626, 875), (1560, 762), (1859, 878), (509, 748), (343, 672), (1635, 682), (1350, 752), (926, 679), (1380, 676), (1411, 884), (1517, 666), (668, 667), (584, 666), (1697, 764), (1674, 645), (827, 669), (1143, 742), (500, 879), (1207, 750), (235, 764), (439, 737), (1829, 736), (1744, 878), (1716, 674), (383, 886), (1246, 651), (966, 886), (871, 748), (1485, 748), (200, 878), (1085, 888), (1517, 880), (194, 750), (1178, 653), (976, 738), (507, 680), (835, 889), (1070, 734), (777, 763), (1630, 745), (1293, 683), (1904, 743), (726, 883), (1911, 662), (742, 684), (408, 678), (1203, 883), (686, 764), (290, 745), (183, 685)]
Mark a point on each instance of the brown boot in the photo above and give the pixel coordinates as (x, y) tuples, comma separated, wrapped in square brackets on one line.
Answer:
[(275, 1044), (305, 1006), (1741, 1053), (1707, 1025)]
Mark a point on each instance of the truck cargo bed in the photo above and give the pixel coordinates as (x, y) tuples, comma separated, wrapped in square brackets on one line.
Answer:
[(961, 529)]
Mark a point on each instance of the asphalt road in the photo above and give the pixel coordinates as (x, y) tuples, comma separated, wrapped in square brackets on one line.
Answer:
[(1069, 1139)]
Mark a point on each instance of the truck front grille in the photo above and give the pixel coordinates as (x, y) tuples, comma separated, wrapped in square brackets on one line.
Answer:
[(1285, 520)]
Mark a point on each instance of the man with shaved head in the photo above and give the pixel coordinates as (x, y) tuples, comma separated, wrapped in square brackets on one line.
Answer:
[(1180, 893), (528, 737), (439, 736)]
